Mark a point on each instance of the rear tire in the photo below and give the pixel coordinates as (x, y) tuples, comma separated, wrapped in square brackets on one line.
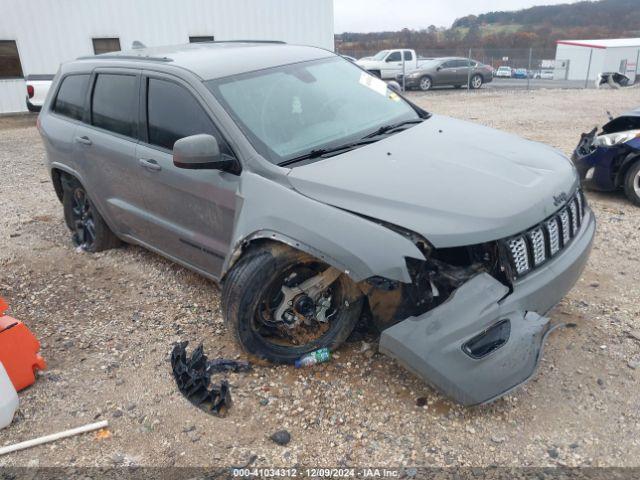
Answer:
[(247, 290), (632, 183), (88, 228)]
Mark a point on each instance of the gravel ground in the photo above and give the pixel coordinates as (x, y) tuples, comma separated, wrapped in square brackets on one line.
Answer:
[(107, 323)]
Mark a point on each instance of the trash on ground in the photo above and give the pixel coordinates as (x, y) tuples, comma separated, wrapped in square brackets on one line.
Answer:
[(319, 356), (103, 434), (281, 437), (193, 376), (53, 437), (8, 399), (18, 351)]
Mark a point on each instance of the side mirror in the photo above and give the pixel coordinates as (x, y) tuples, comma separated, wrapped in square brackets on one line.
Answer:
[(438, 69), (202, 152)]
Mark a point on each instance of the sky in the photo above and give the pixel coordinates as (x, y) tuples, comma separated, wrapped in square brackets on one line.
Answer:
[(392, 15)]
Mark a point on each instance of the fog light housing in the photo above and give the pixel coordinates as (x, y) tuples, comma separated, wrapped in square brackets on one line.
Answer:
[(488, 341), (589, 174)]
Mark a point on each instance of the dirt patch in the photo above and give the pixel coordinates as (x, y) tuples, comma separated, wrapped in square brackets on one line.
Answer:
[(108, 322)]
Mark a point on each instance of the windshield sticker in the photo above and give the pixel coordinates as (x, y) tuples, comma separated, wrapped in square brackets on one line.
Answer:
[(373, 83), (296, 106)]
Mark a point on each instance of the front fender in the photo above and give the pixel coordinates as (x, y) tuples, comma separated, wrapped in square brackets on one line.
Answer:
[(358, 247)]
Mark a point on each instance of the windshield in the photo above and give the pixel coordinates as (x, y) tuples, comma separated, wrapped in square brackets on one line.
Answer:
[(380, 55), (290, 110)]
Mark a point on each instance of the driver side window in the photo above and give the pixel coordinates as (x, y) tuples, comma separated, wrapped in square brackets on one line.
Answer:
[(173, 113), (394, 57)]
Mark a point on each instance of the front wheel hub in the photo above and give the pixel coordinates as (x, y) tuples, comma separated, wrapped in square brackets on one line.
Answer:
[(304, 305)]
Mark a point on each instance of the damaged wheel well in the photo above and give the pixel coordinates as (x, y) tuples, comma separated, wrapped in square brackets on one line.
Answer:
[(56, 179)]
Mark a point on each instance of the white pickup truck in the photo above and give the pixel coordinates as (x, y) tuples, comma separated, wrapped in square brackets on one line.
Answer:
[(387, 64), (37, 89)]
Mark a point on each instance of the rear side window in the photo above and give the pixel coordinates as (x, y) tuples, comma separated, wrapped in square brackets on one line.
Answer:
[(408, 56), (71, 96), (114, 105), (173, 113)]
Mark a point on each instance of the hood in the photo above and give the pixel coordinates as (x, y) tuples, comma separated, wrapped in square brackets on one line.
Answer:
[(454, 182), (628, 121)]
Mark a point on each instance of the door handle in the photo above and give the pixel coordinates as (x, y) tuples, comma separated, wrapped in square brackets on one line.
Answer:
[(149, 164), (84, 140)]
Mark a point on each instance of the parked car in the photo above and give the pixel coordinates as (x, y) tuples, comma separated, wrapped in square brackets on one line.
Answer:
[(388, 64), (312, 193), (37, 89), (520, 73), (503, 72), (452, 71), (610, 159), (544, 74)]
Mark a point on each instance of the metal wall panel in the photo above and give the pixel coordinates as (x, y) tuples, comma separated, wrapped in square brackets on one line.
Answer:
[(49, 32), (13, 93)]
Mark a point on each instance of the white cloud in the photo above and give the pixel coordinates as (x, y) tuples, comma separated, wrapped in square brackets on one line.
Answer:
[(381, 15)]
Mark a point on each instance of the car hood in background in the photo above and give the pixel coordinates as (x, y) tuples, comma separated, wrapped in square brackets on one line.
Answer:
[(454, 182)]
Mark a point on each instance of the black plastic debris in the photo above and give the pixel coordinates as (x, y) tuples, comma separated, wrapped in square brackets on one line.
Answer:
[(223, 365), (193, 376)]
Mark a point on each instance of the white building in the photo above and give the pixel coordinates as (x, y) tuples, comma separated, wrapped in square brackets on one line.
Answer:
[(579, 59), (36, 36)]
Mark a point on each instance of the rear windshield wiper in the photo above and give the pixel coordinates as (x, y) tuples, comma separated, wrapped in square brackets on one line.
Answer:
[(394, 126), (327, 152)]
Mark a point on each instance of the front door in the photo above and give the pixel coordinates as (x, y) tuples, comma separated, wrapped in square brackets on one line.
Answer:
[(191, 212), (393, 65)]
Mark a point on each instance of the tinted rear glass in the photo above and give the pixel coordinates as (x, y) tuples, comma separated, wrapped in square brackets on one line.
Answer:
[(71, 96), (173, 113), (115, 103)]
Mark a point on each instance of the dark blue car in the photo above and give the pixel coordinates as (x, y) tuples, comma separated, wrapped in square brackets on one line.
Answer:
[(610, 160)]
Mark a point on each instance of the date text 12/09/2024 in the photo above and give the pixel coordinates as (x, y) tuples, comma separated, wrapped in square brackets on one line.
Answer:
[(317, 472)]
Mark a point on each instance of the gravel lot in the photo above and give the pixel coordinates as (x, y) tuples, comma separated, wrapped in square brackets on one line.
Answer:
[(107, 323)]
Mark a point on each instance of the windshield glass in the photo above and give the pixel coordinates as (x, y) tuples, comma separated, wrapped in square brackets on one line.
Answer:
[(290, 110), (380, 55)]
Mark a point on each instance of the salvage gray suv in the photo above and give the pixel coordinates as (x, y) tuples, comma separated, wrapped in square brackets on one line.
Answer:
[(317, 196)]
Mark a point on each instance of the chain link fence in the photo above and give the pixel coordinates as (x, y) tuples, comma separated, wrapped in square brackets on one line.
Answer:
[(511, 68)]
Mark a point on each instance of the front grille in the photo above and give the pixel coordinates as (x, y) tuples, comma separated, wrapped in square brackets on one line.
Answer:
[(531, 249)]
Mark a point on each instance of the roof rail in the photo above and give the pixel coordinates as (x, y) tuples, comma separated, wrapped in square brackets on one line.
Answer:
[(107, 56), (277, 42)]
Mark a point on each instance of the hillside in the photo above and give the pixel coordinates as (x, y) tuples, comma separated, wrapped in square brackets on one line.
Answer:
[(537, 27), (615, 15)]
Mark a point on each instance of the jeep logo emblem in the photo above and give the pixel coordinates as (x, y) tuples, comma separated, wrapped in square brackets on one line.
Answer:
[(560, 199)]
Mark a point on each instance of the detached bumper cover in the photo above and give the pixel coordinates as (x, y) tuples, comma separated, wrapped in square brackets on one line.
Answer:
[(432, 345)]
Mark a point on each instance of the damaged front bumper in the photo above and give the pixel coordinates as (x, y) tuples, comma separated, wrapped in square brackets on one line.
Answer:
[(484, 341)]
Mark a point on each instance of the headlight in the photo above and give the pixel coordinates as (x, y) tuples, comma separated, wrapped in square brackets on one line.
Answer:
[(616, 138)]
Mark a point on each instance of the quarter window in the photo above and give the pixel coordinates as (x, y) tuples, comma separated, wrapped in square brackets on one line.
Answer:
[(114, 105), (10, 66), (408, 56), (173, 113), (71, 96), (106, 45)]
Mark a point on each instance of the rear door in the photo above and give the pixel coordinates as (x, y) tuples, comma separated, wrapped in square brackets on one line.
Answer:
[(462, 72), (191, 212), (107, 147)]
